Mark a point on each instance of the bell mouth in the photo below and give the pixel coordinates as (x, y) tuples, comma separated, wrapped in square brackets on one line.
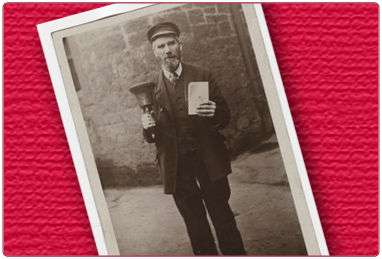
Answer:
[(143, 93)]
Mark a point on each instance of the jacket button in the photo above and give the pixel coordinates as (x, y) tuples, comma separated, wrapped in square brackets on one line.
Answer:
[(161, 109)]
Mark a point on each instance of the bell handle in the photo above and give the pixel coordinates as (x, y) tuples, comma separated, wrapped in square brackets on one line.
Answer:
[(148, 110)]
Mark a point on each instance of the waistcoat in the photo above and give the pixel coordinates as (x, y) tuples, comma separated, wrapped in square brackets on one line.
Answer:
[(184, 133)]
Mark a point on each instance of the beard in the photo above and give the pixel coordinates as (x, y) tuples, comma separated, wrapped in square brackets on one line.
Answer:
[(171, 64), (171, 60)]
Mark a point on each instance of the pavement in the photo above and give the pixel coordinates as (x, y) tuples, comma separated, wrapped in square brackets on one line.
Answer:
[(146, 222)]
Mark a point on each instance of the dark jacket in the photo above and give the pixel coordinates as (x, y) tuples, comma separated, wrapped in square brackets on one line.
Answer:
[(210, 142)]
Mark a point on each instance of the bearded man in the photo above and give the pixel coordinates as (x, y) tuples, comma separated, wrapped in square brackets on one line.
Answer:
[(191, 155)]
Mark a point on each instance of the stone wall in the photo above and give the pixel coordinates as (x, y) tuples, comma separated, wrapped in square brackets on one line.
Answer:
[(107, 61)]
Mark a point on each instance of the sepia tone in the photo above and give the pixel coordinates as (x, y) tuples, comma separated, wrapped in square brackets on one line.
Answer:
[(106, 62)]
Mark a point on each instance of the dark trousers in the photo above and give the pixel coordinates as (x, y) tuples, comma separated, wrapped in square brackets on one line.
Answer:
[(189, 197)]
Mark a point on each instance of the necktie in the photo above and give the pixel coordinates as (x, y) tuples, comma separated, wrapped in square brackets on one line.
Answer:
[(174, 77)]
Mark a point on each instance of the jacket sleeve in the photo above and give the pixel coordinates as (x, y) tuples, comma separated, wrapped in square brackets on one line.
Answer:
[(222, 114), (147, 135)]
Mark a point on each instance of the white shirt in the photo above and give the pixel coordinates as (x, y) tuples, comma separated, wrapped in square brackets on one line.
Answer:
[(178, 71)]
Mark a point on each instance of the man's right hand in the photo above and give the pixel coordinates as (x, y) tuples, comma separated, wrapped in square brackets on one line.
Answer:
[(147, 121)]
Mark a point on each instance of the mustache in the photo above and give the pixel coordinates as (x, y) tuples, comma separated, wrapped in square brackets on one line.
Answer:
[(170, 56)]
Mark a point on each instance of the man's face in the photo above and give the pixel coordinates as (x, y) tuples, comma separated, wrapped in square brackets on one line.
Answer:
[(168, 50)]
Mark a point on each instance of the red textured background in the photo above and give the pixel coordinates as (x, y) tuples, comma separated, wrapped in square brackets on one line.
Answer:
[(328, 59)]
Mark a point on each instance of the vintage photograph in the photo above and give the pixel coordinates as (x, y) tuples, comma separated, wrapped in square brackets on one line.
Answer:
[(180, 134)]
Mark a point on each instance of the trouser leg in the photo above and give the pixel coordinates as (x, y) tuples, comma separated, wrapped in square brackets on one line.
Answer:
[(189, 201), (216, 195)]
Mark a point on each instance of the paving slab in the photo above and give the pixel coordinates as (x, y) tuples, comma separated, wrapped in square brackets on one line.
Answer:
[(146, 221)]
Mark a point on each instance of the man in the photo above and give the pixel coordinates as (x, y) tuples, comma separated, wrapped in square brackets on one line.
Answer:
[(191, 156)]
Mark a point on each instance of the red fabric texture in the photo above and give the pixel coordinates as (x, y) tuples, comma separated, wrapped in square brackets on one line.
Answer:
[(328, 59)]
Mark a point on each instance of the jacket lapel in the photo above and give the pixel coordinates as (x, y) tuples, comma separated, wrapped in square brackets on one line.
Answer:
[(187, 79)]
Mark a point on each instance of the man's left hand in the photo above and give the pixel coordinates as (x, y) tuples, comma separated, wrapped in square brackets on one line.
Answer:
[(206, 109)]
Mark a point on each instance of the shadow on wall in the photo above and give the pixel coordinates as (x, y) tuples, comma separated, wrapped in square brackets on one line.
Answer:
[(113, 176), (146, 174), (250, 143)]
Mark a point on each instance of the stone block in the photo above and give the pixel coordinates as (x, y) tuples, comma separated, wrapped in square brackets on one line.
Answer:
[(225, 29), (172, 10), (205, 31), (187, 37), (177, 9), (205, 6), (217, 18), (141, 66), (223, 8), (137, 39), (87, 39), (179, 18), (140, 24), (211, 9), (210, 18), (113, 43), (196, 16), (187, 6)]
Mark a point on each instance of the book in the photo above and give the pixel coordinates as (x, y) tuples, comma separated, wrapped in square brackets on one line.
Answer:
[(197, 94)]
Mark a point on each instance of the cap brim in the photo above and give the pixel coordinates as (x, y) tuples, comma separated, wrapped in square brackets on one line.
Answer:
[(162, 33)]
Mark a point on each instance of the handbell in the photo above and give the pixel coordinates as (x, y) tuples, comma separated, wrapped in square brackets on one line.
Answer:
[(144, 92)]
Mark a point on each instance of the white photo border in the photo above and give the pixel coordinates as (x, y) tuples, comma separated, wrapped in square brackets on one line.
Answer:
[(270, 74), (290, 150)]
